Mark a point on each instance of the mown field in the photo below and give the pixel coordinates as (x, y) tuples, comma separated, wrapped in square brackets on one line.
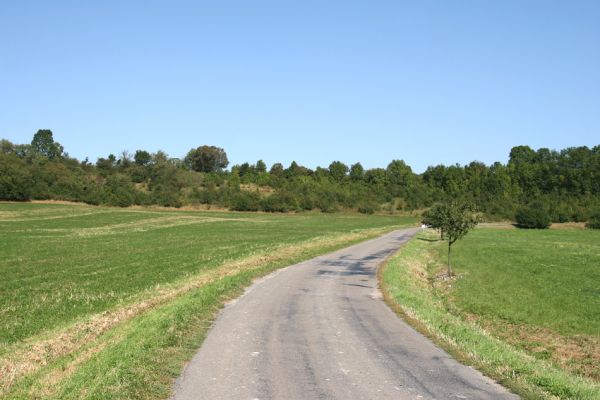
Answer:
[(108, 303), (525, 307)]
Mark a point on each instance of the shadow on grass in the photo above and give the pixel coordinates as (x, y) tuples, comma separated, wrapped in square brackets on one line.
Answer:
[(430, 240)]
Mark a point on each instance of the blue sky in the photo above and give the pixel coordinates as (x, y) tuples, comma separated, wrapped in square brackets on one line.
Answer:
[(312, 81)]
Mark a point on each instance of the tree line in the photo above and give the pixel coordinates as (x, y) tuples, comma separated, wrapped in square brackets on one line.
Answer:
[(565, 183)]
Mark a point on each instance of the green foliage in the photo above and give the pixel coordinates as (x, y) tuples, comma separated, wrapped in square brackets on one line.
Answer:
[(43, 144), (533, 216), (594, 221), (459, 218), (434, 217), (366, 209), (6, 147), (566, 182), (277, 170), (357, 172), (119, 191), (454, 220), (207, 159), (279, 202), (245, 201), (261, 167), (15, 179), (142, 158), (338, 171)]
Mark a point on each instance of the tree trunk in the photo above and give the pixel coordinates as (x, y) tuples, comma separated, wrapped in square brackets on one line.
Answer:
[(449, 267)]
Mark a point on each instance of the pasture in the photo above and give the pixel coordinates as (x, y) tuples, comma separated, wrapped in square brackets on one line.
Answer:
[(538, 289), (525, 306), (74, 274)]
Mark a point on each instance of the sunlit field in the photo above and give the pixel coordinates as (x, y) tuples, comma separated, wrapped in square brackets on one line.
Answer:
[(524, 307), (72, 273)]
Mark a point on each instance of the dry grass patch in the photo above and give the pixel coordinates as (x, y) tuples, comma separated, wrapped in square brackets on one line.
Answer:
[(579, 354)]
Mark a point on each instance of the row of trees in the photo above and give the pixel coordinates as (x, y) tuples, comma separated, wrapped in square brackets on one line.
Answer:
[(565, 183)]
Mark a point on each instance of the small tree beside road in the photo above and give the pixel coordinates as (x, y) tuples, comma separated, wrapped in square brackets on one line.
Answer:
[(434, 218), (454, 220)]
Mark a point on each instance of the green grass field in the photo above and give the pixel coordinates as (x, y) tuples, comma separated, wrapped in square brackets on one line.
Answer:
[(525, 307), (108, 303), (546, 278)]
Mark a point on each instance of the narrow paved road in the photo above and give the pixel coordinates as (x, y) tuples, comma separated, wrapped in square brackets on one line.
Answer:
[(320, 330)]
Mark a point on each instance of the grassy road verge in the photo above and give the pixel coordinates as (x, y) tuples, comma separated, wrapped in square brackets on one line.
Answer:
[(460, 315)]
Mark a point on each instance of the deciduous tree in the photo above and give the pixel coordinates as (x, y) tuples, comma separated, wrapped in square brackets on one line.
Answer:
[(142, 158), (207, 159), (458, 218), (43, 144)]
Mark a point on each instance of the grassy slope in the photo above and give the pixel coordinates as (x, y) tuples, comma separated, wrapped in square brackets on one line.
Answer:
[(504, 281), (106, 303)]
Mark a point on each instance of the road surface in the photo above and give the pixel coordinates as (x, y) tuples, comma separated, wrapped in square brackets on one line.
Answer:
[(320, 330)]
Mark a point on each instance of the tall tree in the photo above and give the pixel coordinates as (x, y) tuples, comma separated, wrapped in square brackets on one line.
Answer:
[(261, 167), (338, 171), (277, 170), (142, 157), (357, 172), (207, 159), (43, 143), (400, 178)]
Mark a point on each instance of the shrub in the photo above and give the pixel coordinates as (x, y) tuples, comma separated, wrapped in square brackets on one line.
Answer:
[(594, 220), (165, 196), (533, 216), (15, 179), (366, 209), (245, 201), (274, 203), (119, 191)]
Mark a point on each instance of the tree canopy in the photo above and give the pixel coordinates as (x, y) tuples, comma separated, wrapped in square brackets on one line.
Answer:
[(43, 144), (207, 159), (566, 182), (455, 219)]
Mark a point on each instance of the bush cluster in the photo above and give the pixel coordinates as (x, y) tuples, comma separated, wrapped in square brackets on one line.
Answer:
[(594, 220), (533, 216)]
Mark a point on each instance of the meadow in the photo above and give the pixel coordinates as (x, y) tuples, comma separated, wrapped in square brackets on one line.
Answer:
[(83, 286), (524, 308)]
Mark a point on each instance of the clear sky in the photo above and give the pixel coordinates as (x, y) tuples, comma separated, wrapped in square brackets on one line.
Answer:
[(312, 81)]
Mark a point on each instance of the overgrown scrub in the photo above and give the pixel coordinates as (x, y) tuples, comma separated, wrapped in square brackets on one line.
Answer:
[(410, 283)]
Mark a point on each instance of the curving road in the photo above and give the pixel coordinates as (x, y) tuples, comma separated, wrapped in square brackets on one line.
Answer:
[(320, 330)]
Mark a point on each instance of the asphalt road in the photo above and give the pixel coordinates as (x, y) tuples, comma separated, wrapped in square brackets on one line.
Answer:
[(320, 330)]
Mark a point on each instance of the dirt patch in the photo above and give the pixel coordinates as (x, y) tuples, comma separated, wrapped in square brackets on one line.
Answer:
[(568, 225)]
